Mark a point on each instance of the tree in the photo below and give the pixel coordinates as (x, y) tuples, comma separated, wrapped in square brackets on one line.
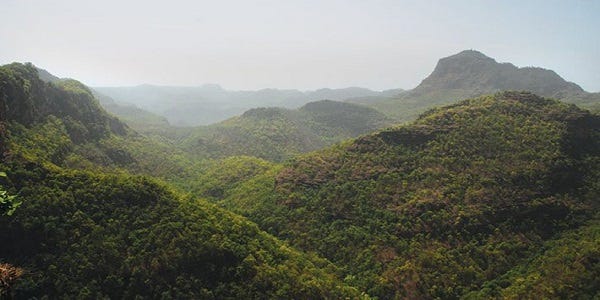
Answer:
[(8, 203)]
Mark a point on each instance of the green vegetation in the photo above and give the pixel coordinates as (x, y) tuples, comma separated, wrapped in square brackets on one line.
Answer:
[(446, 206), (104, 233), (276, 133), (562, 271), (492, 197), (62, 123), (118, 236), (8, 203)]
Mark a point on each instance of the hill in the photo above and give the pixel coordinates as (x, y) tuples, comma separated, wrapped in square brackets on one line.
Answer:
[(278, 133), (138, 119), (207, 104), (493, 197), (85, 235), (99, 232), (28, 100), (62, 122), (471, 73)]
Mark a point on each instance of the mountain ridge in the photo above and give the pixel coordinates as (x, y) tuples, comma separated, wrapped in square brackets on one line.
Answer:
[(471, 73), (444, 207), (274, 133), (478, 71), (193, 106)]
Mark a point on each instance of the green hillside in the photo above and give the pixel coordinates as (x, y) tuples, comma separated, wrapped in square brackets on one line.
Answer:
[(487, 197), (62, 122), (278, 133), (28, 100), (91, 236), (103, 233)]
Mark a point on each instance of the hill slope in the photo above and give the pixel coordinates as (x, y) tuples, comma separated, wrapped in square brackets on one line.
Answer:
[(93, 234), (278, 133), (471, 73), (458, 203), (138, 119), (27, 100), (62, 122)]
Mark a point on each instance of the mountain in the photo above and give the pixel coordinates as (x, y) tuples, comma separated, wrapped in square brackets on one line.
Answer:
[(341, 94), (28, 100), (140, 120), (491, 197), (46, 76), (133, 116), (86, 228), (278, 133), (64, 124), (207, 104), (471, 73)]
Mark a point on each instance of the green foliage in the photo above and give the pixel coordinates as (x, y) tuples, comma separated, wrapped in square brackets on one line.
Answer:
[(138, 119), (102, 233), (441, 207), (32, 100), (562, 270), (8, 203), (276, 134), (493, 197), (117, 236)]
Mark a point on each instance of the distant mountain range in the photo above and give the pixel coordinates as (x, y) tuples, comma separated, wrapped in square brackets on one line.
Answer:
[(471, 73), (271, 133), (467, 74), (207, 104)]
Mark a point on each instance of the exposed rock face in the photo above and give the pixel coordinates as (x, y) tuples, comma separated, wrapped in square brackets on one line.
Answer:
[(473, 71)]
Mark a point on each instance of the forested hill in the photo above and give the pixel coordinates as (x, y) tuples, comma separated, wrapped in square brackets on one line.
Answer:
[(60, 121), (471, 73), (96, 234), (85, 235), (278, 133), (28, 100), (493, 197)]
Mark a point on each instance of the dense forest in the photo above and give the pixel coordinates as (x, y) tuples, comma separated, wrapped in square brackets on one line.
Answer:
[(490, 197), (277, 134), (86, 234), (477, 200)]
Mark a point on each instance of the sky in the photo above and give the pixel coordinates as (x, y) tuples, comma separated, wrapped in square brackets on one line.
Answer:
[(294, 44)]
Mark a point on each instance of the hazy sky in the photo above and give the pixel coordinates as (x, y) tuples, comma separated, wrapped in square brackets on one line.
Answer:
[(294, 44)]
